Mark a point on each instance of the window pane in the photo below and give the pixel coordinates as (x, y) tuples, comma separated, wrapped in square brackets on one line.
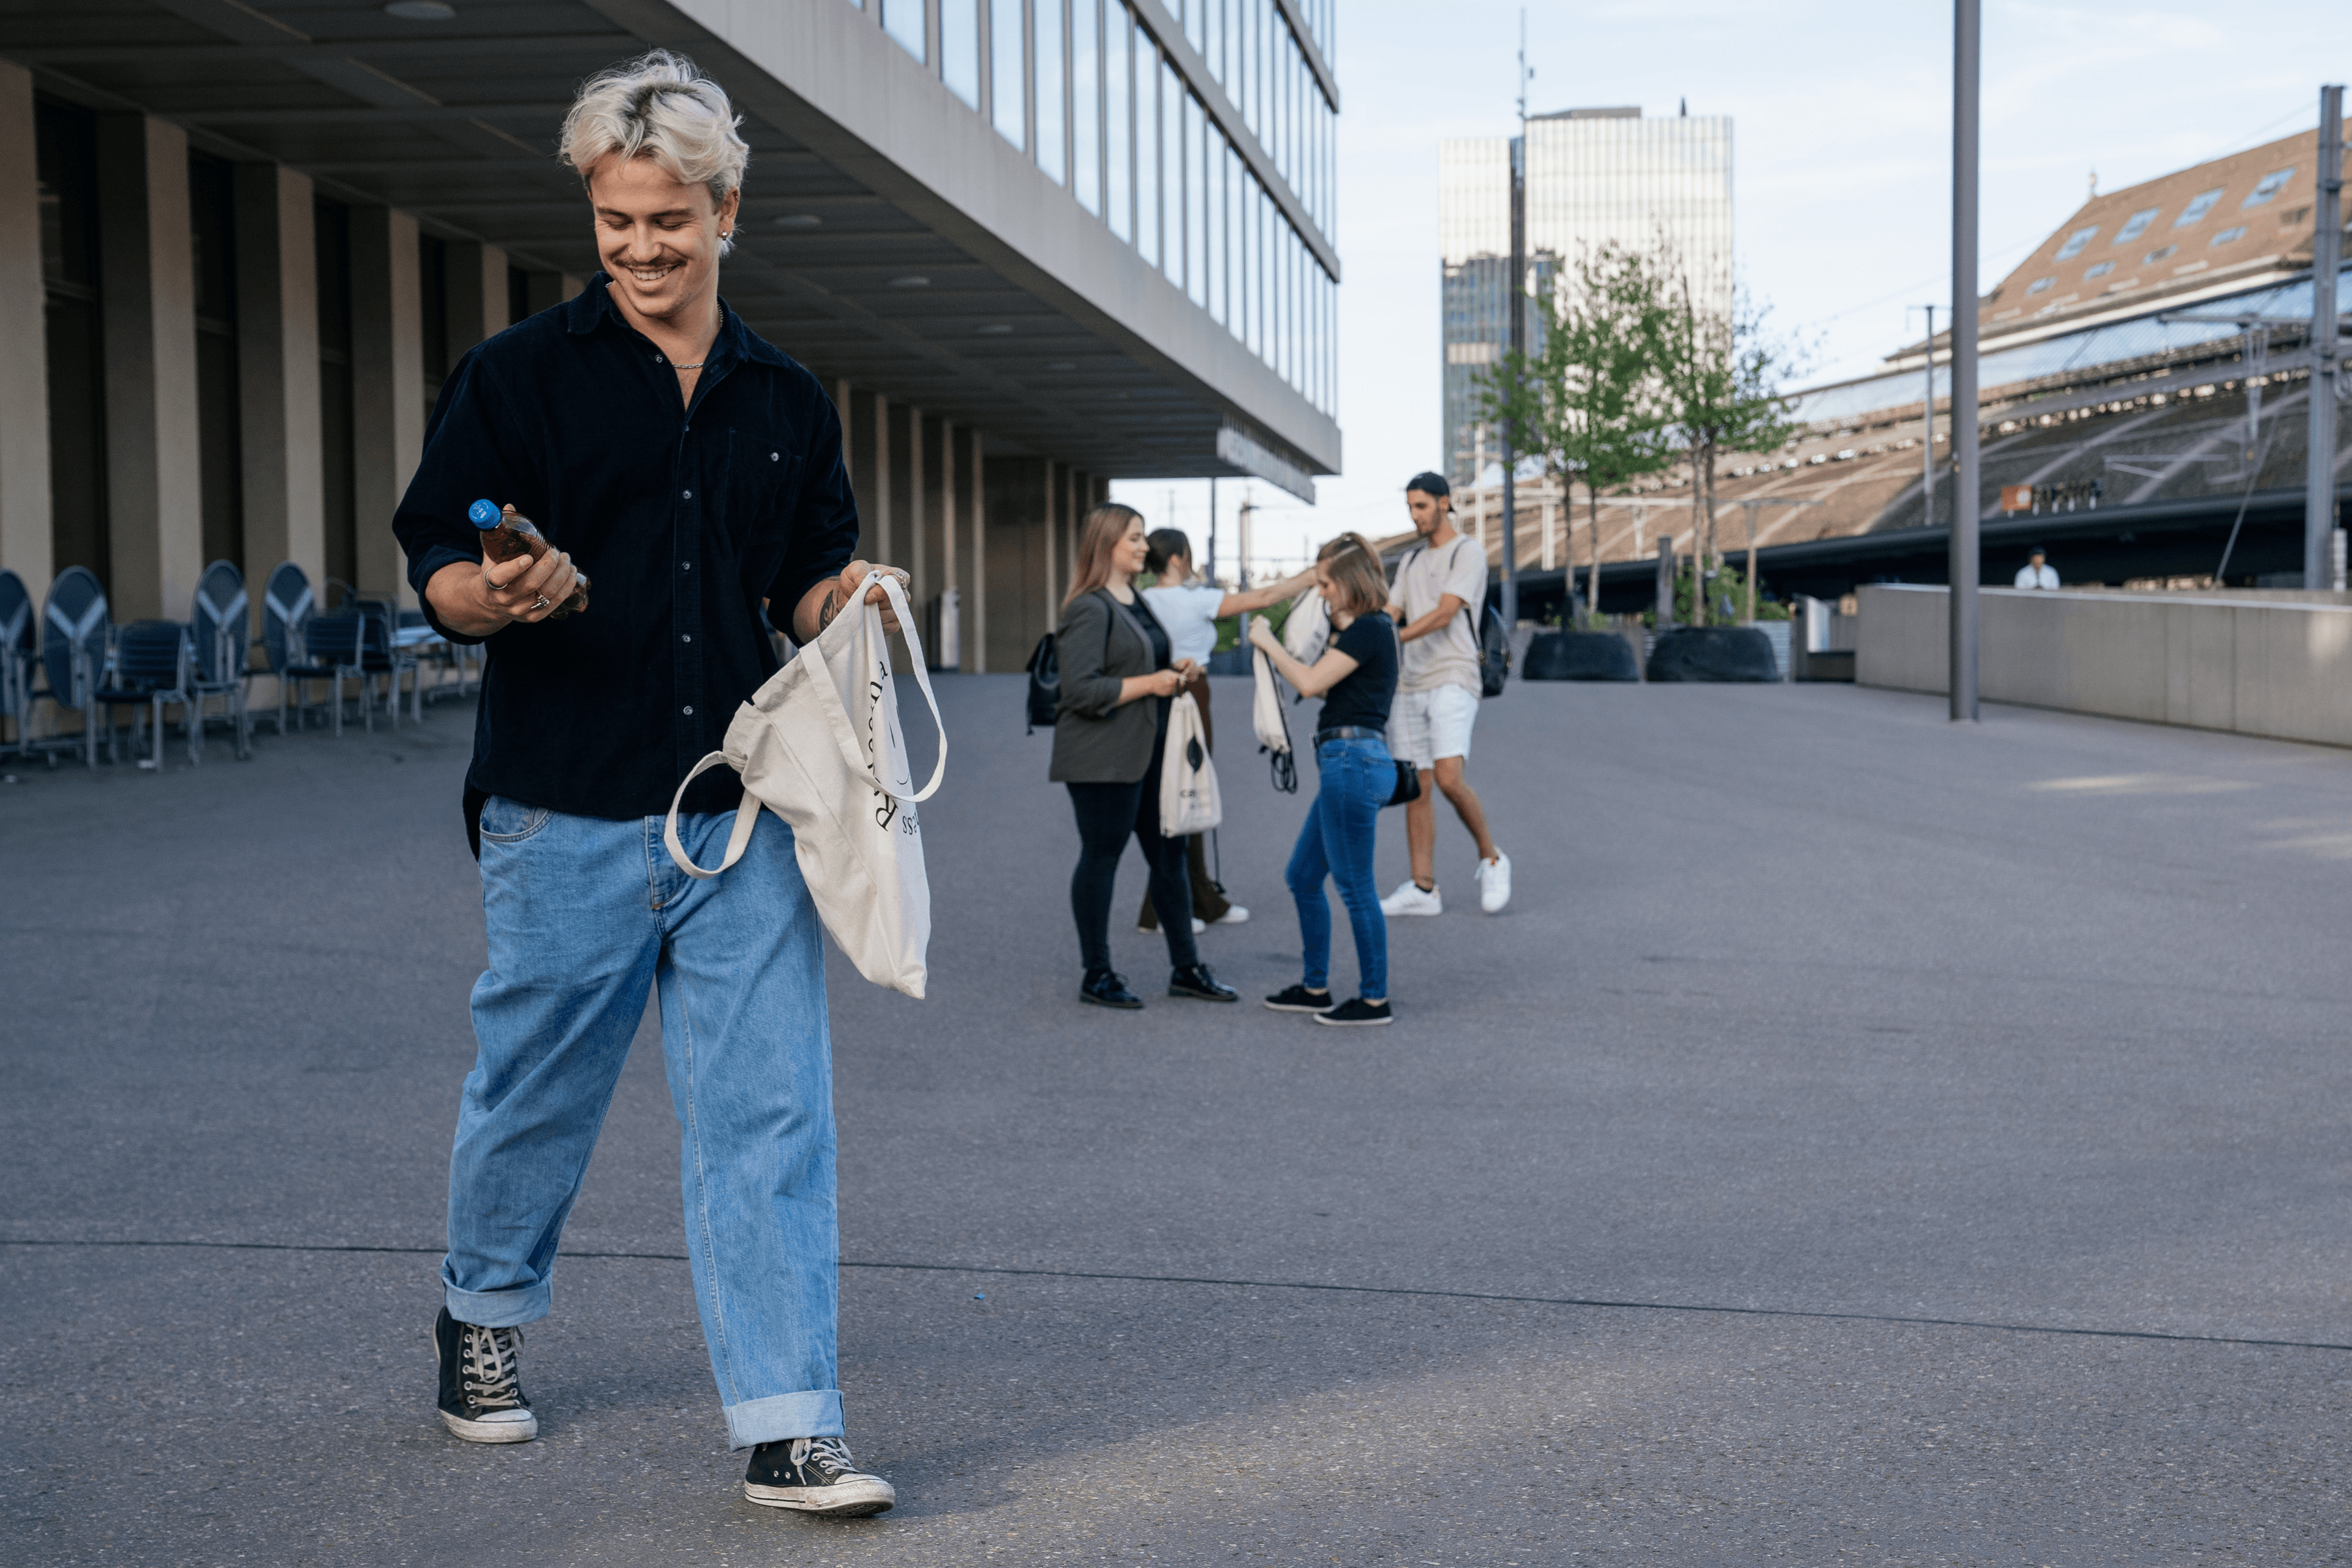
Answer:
[(1194, 12), (903, 20), (1213, 169), (1196, 190), (1147, 148), (1118, 121), (959, 48), (1171, 174), (1086, 104), (1007, 102), (1261, 208), (1245, 54), (1046, 22), (1217, 31)]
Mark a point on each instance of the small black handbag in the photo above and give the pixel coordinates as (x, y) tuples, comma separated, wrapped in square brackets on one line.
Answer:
[(1408, 784)]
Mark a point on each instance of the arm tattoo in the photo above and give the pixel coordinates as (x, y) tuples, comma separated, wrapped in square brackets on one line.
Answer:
[(831, 607)]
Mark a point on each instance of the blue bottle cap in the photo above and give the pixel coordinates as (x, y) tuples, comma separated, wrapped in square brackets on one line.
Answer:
[(483, 514)]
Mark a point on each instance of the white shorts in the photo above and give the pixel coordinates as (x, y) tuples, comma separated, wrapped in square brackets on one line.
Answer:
[(1426, 725)]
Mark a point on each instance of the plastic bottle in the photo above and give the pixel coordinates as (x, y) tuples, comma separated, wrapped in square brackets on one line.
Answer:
[(508, 533)]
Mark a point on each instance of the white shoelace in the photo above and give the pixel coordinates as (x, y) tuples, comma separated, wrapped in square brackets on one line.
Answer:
[(831, 1449), (490, 1370)]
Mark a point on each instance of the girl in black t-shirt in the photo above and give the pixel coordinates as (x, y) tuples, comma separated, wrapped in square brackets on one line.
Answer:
[(1357, 679)]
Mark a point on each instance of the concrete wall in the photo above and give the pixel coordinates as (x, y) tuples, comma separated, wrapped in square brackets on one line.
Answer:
[(2252, 664)]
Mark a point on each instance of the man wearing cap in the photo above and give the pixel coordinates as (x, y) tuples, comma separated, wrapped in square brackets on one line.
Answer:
[(1437, 582), (2034, 573)]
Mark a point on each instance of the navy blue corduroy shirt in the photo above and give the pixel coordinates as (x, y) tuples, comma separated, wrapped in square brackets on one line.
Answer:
[(683, 518)]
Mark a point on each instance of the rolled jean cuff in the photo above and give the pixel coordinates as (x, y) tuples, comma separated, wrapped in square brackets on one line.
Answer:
[(816, 1414), (500, 1308)]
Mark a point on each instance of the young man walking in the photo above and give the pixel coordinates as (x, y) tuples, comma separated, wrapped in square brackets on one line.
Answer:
[(695, 474), (1439, 586)]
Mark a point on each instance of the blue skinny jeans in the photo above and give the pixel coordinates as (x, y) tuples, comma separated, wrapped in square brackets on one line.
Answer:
[(1336, 841)]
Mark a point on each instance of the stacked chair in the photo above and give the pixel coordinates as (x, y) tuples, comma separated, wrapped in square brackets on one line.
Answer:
[(17, 654), (220, 624), (75, 638), (152, 661)]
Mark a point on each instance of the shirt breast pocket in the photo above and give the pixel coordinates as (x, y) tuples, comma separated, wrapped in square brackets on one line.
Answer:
[(763, 474)]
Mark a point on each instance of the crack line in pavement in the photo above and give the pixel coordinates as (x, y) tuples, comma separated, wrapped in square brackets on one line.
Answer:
[(1685, 1307)]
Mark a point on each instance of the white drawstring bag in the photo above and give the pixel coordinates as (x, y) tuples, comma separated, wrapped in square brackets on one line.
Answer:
[(1265, 712), (1307, 631), (1187, 779), (819, 745)]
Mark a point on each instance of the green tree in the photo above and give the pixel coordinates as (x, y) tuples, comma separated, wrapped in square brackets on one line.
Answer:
[(1723, 377), (1589, 404)]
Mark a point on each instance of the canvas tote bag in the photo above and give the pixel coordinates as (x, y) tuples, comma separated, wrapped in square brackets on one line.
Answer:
[(1189, 802), (820, 746)]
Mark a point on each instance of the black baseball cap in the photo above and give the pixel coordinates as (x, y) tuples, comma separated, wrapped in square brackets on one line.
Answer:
[(1429, 484)]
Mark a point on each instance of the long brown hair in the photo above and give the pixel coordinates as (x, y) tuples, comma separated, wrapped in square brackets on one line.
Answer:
[(1354, 569), (1098, 535)]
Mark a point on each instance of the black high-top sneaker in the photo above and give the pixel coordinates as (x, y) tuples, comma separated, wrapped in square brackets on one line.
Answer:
[(815, 1475), (481, 1381)]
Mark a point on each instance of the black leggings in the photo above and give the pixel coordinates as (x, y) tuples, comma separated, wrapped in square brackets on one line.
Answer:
[(1106, 814)]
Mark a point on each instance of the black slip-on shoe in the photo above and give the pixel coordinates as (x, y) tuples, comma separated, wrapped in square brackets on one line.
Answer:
[(481, 1381), (1356, 1011), (1298, 999), (815, 1475), (1195, 980), (1107, 990)]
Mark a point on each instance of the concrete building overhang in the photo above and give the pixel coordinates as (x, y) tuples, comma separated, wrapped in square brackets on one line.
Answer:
[(888, 236)]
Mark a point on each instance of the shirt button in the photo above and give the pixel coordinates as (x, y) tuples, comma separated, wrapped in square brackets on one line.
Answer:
[(686, 638), (775, 457), (689, 494), (686, 566), (689, 709)]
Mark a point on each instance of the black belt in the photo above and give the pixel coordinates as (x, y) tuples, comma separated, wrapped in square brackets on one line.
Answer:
[(1349, 732)]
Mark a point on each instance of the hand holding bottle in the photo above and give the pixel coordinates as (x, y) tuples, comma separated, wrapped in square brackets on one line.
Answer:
[(524, 577)]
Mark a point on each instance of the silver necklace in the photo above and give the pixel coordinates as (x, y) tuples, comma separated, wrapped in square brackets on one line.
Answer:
[(697, 366)]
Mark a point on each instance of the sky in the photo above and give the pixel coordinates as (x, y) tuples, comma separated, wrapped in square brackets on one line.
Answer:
[(1841, 167)]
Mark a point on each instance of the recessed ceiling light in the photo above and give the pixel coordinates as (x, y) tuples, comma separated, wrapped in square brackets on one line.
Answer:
[(421, 10), (910, 281), (995, 328), (797, 220), (1061, 364)]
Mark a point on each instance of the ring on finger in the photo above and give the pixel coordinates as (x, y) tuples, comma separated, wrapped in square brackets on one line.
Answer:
[(542, 602)]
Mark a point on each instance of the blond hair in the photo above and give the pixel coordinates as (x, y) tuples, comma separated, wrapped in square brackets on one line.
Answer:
[(658, 106), (1353, 567)]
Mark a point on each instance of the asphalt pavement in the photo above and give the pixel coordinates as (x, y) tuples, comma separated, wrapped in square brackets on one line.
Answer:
[(1862, 1139)]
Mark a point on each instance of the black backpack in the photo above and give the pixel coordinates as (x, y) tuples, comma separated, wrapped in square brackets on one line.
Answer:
[(1044, 684), (1494, 650)]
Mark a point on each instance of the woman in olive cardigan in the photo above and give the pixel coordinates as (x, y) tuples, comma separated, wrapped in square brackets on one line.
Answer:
[(1109, 726)]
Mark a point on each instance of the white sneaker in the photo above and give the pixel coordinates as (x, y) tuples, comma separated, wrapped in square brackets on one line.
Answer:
[(1409, 900), (1235, 915), (1199, 925), (1495, 883)]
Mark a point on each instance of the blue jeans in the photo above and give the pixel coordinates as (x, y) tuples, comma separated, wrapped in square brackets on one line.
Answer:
[(1358, 777), (585, 915)]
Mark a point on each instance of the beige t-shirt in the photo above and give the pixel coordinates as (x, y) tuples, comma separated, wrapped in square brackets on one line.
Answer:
[(1448, 656)]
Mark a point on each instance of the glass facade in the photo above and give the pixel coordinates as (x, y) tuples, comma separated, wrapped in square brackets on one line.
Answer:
[(1202, 176), (1591, 180)]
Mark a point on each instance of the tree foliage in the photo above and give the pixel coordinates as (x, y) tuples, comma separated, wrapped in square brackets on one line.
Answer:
[(1590, 403)]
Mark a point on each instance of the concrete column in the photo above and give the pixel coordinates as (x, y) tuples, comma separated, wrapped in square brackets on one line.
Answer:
[(1053, 556), (147, 287), (477, 295), (387, 391), (979, 482), (277, 375), (878, 531), (25, 542), (918, 513)]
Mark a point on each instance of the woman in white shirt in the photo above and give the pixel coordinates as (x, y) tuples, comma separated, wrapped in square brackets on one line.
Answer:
[(1189, 614)]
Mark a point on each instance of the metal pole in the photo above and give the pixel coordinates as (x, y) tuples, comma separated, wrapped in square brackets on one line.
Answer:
[(1212, 529), (1516, 303), (1666, 611), (2319, 482), (1927, 480), (1966, 504)]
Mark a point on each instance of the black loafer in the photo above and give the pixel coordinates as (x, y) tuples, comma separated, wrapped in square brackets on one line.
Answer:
[(1195, 980), (1107, 990)]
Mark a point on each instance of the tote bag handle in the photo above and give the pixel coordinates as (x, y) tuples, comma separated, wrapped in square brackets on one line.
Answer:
[(845, 731), (747, 817)]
